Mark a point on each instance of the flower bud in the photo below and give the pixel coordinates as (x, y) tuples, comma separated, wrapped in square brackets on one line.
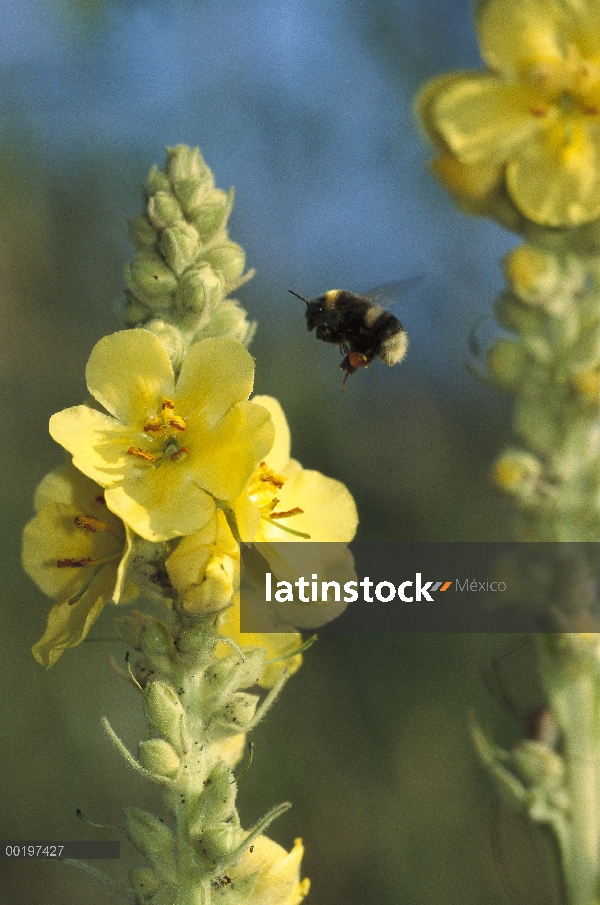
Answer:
[(150, 279), (145, 882), (164, 210), (145, 632), (171, 338), (239, 711), (516, 317), (142, 234), (218, 841), (532, 274), (228, 320), (179, 244), (229, 259), (157, 181), (229, 673), (199, 290), (517, 473), (506, 361), (165, 713), (136, 312), (213, 214), (217, 801), (536, 426), (539, 764), (184, 162), (151, 837), (216, 589), (158, 757)]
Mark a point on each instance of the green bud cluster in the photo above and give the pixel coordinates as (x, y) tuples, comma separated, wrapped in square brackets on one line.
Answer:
[(185, 265), (551, 365), (197, 706), (531, 776)]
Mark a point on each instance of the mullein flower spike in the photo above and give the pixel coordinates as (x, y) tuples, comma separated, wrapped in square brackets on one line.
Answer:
[(172, 466), (520, 143)]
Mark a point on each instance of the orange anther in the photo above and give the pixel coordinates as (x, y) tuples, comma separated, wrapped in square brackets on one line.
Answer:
[(167, 404), (72, 563), (180, 452), (153, 426), (275, 480), (91, 524), (296, 511), (177, 423), (140, 453)]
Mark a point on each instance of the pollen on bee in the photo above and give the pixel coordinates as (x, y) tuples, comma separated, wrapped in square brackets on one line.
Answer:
[(358, 360), (140, 453)]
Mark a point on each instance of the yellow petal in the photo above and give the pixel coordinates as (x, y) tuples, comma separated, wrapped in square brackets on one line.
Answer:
[(279, 454), (329, 511), (484, 120), (473, 185), (555, 179), (129, 373), (216, 373), (67, 626), (278, 880), (52, 535), (425, 101), (585, 29), (247, 517), (161, 503), (97, 442), (224, 459), (514, 34)]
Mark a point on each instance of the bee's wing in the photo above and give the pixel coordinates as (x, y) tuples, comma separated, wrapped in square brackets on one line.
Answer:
[(390, 295)]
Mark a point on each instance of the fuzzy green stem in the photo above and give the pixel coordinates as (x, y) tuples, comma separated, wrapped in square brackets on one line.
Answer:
[(572, 684)]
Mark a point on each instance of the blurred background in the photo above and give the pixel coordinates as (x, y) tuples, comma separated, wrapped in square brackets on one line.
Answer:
[(305, 106)]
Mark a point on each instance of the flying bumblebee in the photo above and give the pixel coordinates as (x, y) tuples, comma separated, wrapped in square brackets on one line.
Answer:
[(361, 327)]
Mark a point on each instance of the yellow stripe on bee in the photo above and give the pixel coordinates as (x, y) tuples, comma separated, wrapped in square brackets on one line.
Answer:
[(331, 297), (372, 313)]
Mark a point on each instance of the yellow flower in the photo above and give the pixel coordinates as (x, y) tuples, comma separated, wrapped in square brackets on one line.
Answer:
[(285, 502), (278, 881), (205, 567), (75, 551), (535, 113), (165, 451)]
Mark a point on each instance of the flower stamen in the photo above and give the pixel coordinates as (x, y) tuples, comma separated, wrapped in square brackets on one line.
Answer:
[(91, 524), (140, 453), (295, 511)]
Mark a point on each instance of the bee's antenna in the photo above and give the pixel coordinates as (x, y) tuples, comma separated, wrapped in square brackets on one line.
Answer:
[(301, 297)]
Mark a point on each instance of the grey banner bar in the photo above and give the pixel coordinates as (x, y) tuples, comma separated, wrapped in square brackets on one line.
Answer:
[(366, 587)]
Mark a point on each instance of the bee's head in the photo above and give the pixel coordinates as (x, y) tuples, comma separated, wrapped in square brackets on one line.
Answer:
[(316, 313)]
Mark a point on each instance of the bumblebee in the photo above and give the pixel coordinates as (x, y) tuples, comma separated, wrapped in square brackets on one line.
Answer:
[(360, 327)]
